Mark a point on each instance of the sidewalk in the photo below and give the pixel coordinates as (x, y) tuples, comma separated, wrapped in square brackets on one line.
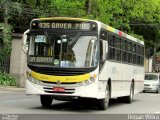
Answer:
[(11, 88)]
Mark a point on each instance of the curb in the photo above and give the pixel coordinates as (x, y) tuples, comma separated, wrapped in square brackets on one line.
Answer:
[(11, 88)]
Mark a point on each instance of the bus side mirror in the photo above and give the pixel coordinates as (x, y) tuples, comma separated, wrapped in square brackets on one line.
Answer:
[(105, 50), (24, 42)]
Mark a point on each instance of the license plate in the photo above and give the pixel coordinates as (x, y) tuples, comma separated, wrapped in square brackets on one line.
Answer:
[(58, 89)]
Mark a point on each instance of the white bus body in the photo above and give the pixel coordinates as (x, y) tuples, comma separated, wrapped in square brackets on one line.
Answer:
[(106, 76)]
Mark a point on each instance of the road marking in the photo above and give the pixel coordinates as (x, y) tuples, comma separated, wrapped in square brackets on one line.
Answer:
[(5, 91), (157, 112), (16, 100), (154, 95)]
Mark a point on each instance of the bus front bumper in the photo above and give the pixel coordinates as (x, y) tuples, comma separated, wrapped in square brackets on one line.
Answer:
[(88, 91)]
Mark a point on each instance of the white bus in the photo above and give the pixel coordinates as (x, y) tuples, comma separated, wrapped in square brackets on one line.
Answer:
[(72, 58)]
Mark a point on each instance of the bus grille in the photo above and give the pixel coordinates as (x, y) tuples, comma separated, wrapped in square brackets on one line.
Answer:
[(65, 83), (67, 90)]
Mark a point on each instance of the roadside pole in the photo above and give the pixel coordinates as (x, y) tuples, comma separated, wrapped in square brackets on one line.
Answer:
[(150, 63)]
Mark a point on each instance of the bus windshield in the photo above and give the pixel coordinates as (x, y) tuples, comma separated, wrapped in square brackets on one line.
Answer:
[(63, 50)]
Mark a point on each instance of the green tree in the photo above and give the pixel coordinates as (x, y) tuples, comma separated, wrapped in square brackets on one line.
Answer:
[(5, 28), (144, 17), (69, 8), (136, 17), (5, 41)]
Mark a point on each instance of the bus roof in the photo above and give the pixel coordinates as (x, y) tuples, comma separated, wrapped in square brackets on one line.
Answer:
[(62, 18), (120, 33), (107, 27)]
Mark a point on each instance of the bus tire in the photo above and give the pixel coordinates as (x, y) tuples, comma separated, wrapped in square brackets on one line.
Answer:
[(46, 101), (129, 99), (103, 103)]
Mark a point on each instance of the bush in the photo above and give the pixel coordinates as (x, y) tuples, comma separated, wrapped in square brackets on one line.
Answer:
[(7, 80), (5, 41)]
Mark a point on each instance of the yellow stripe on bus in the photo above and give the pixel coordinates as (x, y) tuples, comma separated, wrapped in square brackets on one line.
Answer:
[(63, 18), (52, 78)]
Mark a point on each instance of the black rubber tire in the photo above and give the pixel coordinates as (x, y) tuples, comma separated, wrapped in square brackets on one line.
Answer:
[(46, 101), (103, 103), (129, 99)]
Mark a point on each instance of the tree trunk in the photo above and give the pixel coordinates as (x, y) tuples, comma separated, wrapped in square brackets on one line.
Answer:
[(89, 6), (6, 15)]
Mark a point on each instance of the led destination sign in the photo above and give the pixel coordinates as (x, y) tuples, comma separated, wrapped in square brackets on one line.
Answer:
[(63, 25), (41, 59)]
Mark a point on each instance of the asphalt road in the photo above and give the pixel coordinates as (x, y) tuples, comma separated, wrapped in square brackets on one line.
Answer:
[(16, 102)]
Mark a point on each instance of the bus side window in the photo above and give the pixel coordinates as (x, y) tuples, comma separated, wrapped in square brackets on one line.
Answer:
[(101, 49)]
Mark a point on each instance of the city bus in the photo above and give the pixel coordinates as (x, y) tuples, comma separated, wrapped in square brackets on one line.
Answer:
[(74, 58)]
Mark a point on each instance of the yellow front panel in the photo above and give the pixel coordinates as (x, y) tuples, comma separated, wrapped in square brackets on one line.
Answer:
[(52, 78)]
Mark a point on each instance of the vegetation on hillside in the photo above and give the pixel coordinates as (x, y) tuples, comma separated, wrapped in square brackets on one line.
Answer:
[(140, 17), (7, 80)]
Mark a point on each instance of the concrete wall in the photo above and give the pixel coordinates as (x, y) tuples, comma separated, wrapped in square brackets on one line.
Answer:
[(148, 65), (18, 60)]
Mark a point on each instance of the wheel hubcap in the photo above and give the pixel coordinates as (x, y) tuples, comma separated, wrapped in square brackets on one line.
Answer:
[(131, 94), (107, 96)]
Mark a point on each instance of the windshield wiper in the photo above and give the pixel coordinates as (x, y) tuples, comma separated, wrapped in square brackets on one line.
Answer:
[(48, 41), (74, 40)]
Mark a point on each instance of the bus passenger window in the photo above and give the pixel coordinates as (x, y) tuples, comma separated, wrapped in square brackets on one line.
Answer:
[(101, 50), (123, 44)]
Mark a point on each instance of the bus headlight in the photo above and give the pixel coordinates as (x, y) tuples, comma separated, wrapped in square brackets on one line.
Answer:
[(92, 79), (33, 80), (87, 82)]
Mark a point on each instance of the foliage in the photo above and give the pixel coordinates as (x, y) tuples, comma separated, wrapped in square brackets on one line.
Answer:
[(144, 17), (140, 37), (7, 80), (6, 35), (141, 17), (5, 40), (72, 8)]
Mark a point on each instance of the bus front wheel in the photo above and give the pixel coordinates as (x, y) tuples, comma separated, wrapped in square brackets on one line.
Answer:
[(103, 103), (46, 100)]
